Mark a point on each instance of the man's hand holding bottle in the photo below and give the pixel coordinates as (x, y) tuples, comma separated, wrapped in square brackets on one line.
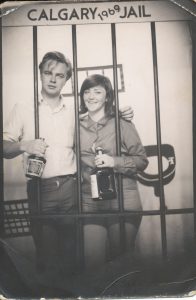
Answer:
[(37, 147)]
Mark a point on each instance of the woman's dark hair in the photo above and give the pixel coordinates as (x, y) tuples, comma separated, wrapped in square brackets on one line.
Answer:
[(58, 57), (95, 80)]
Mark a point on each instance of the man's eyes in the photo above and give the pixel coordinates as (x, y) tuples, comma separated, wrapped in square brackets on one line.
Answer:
[(60, 75), (47, 73)]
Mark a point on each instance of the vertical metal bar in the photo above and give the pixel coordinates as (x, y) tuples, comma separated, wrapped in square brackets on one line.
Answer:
[(158, 132), (1, 138), (80, 237), (35, 69), (77, 122), (117, 119), (36, 107), (193, 36), (118, 136)]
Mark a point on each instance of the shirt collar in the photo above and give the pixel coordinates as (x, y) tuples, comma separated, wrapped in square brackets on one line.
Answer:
[(62, 104), (102, 121)]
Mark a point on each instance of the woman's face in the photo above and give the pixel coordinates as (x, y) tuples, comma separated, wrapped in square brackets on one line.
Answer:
[(95, 98)]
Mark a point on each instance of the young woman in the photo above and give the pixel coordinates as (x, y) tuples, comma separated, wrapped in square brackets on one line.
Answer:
[(97, 129)]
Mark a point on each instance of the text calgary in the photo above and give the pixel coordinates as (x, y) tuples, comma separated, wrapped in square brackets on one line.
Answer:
[(85, 13)]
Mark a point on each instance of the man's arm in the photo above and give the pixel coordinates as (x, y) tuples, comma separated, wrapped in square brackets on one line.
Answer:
[(127, 113), (13, 149)]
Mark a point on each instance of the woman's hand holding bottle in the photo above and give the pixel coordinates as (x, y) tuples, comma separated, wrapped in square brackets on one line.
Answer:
[(104, 161)]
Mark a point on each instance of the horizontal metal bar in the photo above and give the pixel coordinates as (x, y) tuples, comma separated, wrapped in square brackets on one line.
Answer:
[(15, 235), (98, 67), (105, 214), (135, 22)]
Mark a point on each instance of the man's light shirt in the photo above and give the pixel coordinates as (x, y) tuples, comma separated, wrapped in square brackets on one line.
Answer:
[(56, 126)]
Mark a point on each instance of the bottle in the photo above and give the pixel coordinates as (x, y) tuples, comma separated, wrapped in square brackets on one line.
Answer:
[(35, 165), (102, 182)]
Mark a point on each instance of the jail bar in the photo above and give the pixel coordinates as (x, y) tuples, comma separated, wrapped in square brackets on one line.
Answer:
[(36, 106), (117, 119), (78, 222), (77, 122), (118, 137), (158, 133), (162, 212), (193, 36), (1, 136), (175, 211)]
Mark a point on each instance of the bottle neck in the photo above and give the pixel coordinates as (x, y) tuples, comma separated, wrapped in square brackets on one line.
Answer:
[(99, 152), (37, 157)]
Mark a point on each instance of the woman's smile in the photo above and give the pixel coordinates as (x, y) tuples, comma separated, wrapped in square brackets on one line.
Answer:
[(95, 98)]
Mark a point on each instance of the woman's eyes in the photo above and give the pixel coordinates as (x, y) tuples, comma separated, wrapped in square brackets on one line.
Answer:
[(94, 92)]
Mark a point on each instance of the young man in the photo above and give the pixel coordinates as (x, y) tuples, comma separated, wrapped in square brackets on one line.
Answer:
[(54, 237)]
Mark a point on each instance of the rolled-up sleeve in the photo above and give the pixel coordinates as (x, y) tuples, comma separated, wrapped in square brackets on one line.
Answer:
[(133, 159), (13, 128)]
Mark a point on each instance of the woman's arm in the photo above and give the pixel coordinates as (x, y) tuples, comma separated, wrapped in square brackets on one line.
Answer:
[(133, 158)]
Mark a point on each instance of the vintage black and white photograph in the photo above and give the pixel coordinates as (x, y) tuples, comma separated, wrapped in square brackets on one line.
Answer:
[(98, 146)]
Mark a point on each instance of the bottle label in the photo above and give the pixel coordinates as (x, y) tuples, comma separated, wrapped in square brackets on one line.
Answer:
[(35, 167), (106, 185), (94, 186)]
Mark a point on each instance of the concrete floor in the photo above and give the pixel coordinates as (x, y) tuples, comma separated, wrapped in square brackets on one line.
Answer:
[(124, 277)]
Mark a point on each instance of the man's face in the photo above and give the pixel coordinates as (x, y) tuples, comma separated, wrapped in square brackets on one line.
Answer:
[(53, 78)]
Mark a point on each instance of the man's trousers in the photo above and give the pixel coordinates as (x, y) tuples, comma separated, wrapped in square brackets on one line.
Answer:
[(54, 232)]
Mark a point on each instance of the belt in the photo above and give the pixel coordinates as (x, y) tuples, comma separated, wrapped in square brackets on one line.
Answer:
[(54, 181), (58, 180), (59, 177), (64, 176)]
